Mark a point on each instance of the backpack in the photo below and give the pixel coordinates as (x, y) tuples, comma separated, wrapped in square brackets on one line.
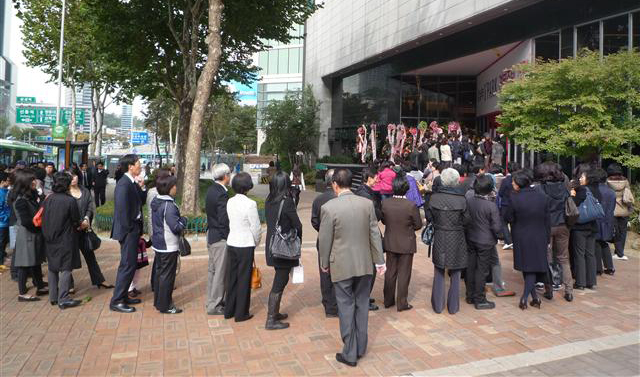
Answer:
[(590, 209), (467, 155)]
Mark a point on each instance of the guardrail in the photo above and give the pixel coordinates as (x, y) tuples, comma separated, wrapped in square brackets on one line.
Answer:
[(194, 225)]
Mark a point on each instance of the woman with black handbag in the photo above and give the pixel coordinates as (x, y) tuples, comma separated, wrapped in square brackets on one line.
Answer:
[(280, 210), (87, 243)]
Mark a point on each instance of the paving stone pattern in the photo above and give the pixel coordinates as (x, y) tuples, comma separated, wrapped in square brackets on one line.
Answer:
[(39, 339)]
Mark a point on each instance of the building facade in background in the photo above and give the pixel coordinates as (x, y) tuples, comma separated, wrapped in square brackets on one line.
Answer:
[(83, 101), (423, 60), (8, 70), (280, 71), (126, 120)]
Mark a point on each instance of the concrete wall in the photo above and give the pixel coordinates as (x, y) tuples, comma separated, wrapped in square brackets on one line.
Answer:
[(346, 32)]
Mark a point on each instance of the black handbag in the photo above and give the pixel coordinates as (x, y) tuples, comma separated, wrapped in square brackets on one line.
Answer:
[(184, 248), (427, 236), (285, 245), (92, 241)]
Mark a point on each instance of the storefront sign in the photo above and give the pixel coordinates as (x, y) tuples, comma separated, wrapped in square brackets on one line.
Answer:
[(490, 81)]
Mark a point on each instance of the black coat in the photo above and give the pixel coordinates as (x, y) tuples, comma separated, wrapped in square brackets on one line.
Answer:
[(485, 227), (88, 183), (608, 202), (100, 178), (288, 219), (530, 220), (558, 194), (86, 208), (60, 221), (318, 202), (217, 217), (129, 199), (448, 212)]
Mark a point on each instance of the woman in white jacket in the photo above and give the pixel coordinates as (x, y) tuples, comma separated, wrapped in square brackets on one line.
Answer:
[(244, 236)]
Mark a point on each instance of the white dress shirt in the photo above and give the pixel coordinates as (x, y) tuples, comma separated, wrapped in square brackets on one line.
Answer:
[(244, 222)]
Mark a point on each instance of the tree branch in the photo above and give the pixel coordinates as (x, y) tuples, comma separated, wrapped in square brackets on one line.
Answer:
[(181, 45)]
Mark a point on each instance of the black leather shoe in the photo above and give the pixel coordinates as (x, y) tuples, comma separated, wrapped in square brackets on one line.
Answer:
[(28, 299), (523, 305), (122, 308), (373, 307), (244, 319), (408, 307), (132, 301), (610, 272), (54, 303), (134, 293), (536, 303), (216, 312), (69, 304), (281, 316), (371, 300), (331, 315), (342, 360), (484, 305), (568, 297), (172, 310), (42, 292), (469, 300), (578, 287)]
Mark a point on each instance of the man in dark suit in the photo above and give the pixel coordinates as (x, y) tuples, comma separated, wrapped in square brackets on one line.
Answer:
[(100, 184), (350, 243), (366, 191), (326, 286), (127, 226), (217, 233), (85, 178)]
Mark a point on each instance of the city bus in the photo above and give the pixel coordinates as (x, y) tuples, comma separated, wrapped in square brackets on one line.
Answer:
[(14, 150)]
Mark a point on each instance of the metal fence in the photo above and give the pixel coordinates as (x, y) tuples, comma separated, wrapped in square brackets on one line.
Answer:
[(194, 225)]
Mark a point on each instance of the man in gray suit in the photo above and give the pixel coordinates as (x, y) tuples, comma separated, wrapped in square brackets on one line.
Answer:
[(349, 243)]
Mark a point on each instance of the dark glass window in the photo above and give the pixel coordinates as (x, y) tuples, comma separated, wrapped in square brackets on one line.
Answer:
[(548, 46), (615, 34), (589, 36), (636, 30), (566, 40)]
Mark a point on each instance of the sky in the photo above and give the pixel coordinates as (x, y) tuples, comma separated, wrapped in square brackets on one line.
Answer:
[(32, 82)]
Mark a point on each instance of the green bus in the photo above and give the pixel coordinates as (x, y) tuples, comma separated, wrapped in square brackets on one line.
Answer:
[(14, 150)]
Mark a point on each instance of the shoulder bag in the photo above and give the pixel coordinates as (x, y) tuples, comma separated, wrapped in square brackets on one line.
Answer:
[(285, 245), (590, 209), (427, 236), (571, 212), (37, 218), (256, 277), (92, 240)]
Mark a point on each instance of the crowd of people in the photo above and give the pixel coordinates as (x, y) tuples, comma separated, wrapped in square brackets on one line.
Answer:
[(559, 229)]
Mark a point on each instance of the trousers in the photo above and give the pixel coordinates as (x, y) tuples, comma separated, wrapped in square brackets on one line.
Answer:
[(24, 272), (352, 296), (239, 282), (217, 275), (620, 224), (99, 195), (398, 273), (505, 227), (559, 251), (437, 291), (128, 265), (165, 278), (92, 265), (584, 244), (603, 255), (479, 263), (328, 291), (59, 284)]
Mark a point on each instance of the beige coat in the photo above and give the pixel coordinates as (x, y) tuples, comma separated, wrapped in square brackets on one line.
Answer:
[(349, 239), (624, 208)]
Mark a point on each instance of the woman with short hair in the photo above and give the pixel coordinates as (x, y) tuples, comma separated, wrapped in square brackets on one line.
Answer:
[(401, 218), (583, 235), (167, 225), (280, 211), (448, 212), (529, 216), (244, 237), (624, 207), (61, 222)]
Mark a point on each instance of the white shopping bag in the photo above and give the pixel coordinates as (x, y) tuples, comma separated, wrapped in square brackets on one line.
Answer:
[(297, 275)]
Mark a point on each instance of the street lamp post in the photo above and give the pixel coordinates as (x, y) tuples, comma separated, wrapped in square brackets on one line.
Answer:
[(67, 149)]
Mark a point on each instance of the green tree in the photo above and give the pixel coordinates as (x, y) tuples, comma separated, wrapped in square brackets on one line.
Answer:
[(576, 106), (229, 126), (186, 49), (291, 124)]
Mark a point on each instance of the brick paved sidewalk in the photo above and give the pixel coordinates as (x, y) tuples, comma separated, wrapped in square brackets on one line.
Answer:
[(39, 339)]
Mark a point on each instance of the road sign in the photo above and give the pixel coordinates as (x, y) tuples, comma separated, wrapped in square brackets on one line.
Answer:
[(47, 116), (139, 137), (26, 99), (59, 132)]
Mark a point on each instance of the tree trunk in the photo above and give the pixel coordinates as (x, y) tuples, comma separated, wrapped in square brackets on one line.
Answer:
[(181, 142), (203, 91), (95, 100)]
